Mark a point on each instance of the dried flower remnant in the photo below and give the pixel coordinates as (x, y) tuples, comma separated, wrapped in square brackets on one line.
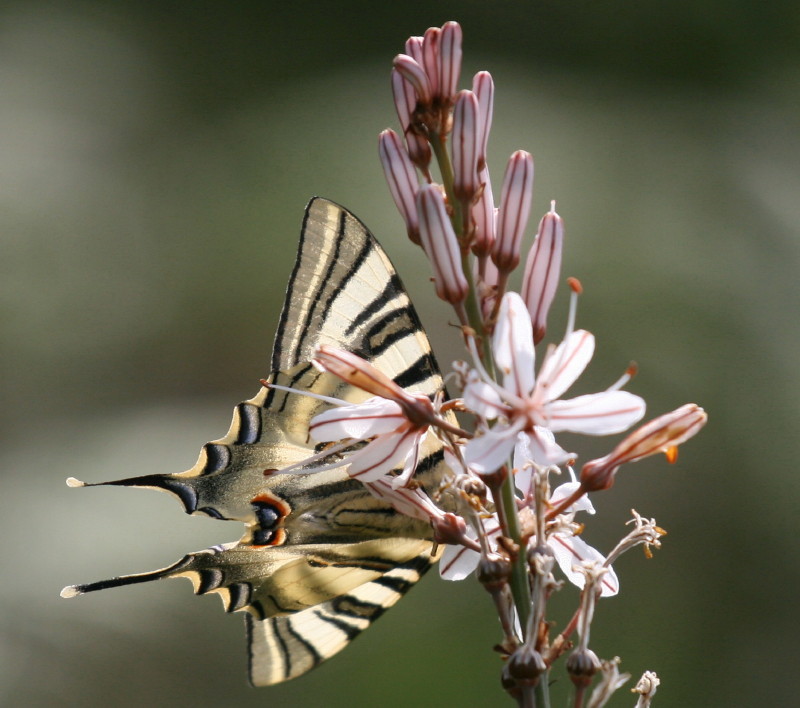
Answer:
[(646, 687)]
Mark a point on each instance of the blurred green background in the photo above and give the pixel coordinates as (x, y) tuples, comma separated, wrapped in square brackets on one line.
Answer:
[(155, 161)]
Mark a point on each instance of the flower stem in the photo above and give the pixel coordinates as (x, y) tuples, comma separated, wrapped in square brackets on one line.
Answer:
[(520, 587)]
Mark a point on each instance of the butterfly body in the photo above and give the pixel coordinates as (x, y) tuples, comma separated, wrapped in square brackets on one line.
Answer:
[(321, 557)]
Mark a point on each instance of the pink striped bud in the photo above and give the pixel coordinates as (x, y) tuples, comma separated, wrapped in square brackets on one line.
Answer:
[(483, 88), (465, 145), (449, 60), (414, 48), (662, 434), (430, 57), (542, 271), (483, 216), (405, 99), (405, 102), (415, 75), (441, 245), (402, 179), (515, 207)]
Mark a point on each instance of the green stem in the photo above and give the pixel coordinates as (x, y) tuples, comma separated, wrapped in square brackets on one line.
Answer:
[(543, 691), (520, 587)]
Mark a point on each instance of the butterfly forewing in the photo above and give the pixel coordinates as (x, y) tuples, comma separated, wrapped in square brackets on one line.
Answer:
[(321, 558)]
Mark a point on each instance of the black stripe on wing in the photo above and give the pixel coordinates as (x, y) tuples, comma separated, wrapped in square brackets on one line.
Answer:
[(283, 648)]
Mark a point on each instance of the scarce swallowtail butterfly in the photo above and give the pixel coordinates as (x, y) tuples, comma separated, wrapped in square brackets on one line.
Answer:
[(321, 558)]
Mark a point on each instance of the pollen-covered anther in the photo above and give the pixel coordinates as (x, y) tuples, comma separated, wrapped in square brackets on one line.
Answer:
[(661, 434), (645, 533), (472, 487), (575, 285)]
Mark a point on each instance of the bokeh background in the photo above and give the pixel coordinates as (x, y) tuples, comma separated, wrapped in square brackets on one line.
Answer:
[(155, 159)]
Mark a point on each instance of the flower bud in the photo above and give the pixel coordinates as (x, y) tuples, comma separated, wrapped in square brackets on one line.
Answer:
[(483, 216), (449, 61), (515, 206), (542, 271), (441, 245), (430, 58), (412, 72), (483, 88), (661, 434), (402, 179), (414, 48), (465, 145), (405, 103)]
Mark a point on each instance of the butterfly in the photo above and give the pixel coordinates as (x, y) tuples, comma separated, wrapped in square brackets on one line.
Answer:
[(321, 558)]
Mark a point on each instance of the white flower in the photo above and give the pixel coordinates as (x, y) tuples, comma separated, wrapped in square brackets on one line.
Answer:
[(531, 405), (394, 421), (395, 439)]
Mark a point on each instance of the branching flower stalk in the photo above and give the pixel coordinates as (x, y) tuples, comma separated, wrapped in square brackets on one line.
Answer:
[(495, 510)]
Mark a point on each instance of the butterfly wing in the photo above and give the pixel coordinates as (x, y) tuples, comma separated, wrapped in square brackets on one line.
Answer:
[(321, 558)]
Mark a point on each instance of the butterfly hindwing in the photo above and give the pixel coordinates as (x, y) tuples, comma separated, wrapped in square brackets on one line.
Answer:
[(321, 558)]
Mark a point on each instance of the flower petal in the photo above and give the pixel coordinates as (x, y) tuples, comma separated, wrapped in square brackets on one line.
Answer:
[(523, 456), (458, 562), (381, 455), (410, 502), (481, 398), (513, 345), (564, 491), (359, 421), (571, 551), (596, 413), (564, 365), (545, 450), (488, 452)]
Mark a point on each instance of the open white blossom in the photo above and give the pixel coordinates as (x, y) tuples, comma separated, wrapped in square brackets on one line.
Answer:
[(528, 404)]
